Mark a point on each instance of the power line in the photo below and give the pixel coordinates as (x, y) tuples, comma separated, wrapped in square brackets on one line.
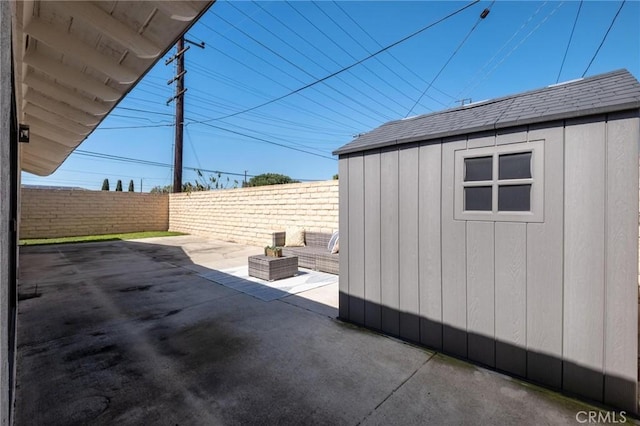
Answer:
[(483, 15), (604, 38), (415, 33), (519, 44), (479, 71), (260, 118), (384, 49), (569, 42), (339, 46), (253, 69), (363, 93), (359, 111), (279, 138), (223, 129), (384, 81), (261, 139), (144, 111), (340, 71), (356, 23), (297, 108), (154, 163)]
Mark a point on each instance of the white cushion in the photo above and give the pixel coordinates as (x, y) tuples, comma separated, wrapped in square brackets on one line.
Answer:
[(336, 247), (332, 241), (294, 237)]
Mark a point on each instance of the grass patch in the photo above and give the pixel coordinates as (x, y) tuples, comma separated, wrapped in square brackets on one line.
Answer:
[(95, 238)]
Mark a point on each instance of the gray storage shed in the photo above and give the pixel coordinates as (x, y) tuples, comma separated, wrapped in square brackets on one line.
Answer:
[(504, 232)]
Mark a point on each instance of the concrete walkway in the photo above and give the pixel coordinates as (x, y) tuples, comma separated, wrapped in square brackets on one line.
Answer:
[(128, 333)]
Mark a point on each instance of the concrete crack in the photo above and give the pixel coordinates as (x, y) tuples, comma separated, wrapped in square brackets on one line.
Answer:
[(396, 388)]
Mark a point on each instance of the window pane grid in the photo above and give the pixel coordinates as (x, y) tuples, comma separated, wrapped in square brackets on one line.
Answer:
[(509, 189), (514, 191)]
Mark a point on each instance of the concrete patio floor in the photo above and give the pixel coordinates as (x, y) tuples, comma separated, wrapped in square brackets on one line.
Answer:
[(126, 332)]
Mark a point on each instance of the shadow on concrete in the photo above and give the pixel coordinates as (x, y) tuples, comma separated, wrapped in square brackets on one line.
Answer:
[(549, 371)]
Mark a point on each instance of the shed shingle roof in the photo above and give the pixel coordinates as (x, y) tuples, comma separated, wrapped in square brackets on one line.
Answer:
[(604, 93)]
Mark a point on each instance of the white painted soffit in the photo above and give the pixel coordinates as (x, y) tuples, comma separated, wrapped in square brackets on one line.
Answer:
[(75, 60)]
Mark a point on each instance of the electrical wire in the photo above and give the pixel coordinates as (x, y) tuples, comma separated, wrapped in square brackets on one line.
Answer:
[(223, 129), (193, 149), (155, 163), (457, 49), (282, 139), (235, 125), (546, 18), (144, 111), (479, 71), (384, 49), (613, 21), (399, 62), (377, 59), (569, 42), (349, 54), (391, 55), (363, 93), (297, 108), (270, 63), (340, 71), (262, 140), (255, 70), (259, 118)]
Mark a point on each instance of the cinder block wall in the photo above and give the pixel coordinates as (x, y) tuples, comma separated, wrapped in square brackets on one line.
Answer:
[(64, 213), (250, 215)]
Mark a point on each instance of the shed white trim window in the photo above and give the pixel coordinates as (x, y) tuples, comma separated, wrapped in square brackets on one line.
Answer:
[(502, 183)]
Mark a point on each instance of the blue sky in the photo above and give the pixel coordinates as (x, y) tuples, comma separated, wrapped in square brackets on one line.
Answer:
[(260, 51)]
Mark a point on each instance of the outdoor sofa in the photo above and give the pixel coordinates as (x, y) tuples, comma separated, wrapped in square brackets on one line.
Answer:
[(314, 254)]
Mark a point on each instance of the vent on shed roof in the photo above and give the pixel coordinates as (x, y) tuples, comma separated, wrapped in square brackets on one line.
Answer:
[(562, 83)]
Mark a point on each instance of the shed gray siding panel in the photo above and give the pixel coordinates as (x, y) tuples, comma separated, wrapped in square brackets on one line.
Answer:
[(389, 261), (343, 215), (429, 249), (408, 244), (480, 140), (454, 262), (481, 292), (583, 349), (622, 263), (545, 265), (372, 225), (356, 239), (511, 135), (511, 297)]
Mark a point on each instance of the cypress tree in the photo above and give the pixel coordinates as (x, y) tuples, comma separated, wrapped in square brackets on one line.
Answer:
[(119, 185), (131, 185), (105, 185)]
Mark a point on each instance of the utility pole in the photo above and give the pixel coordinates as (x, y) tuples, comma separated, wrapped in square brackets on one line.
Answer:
[(179, 98)]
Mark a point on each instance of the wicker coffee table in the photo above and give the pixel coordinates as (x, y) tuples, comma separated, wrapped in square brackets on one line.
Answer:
[(272, 268)]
